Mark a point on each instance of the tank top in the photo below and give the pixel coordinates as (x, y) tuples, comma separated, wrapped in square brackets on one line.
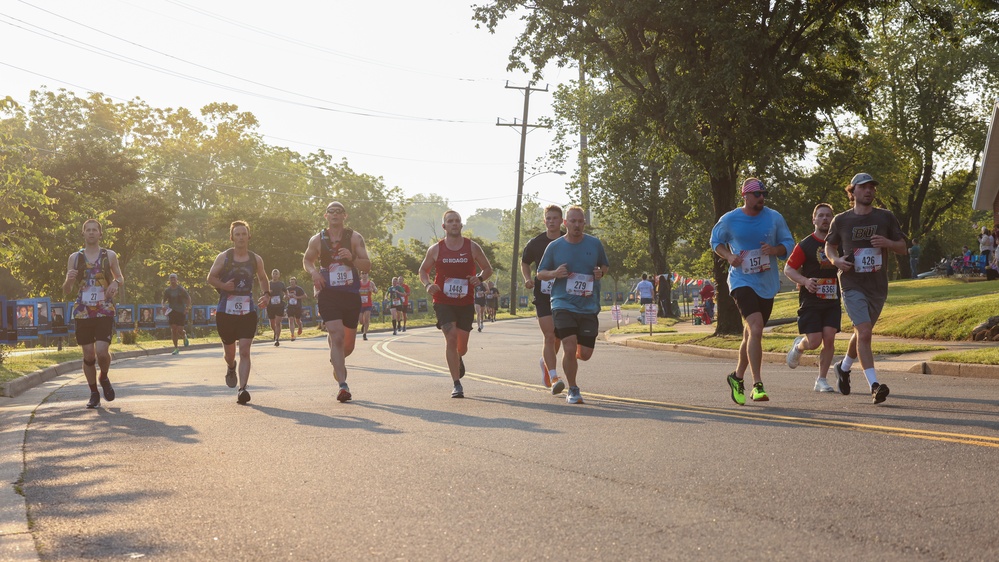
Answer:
[(240, 300), (91, 301), (337, 275), (364, 289), (454, 267)]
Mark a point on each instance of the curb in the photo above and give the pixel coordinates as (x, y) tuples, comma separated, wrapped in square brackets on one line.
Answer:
[(965, 370)]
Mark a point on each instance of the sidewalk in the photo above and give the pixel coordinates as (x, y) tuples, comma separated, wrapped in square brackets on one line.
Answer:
[(918, 362)]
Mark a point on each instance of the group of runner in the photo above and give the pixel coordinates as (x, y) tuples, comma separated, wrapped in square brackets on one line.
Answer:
[(843, 259), (566, 287)]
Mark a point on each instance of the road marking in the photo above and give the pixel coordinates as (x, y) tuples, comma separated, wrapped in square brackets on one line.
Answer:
[(382, 348)]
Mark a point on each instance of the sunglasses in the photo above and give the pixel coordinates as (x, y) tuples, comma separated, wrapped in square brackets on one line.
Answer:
[(336, 211), (759, 193)]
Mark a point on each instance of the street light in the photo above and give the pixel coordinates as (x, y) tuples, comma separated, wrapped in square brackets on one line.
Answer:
[(516, 233)]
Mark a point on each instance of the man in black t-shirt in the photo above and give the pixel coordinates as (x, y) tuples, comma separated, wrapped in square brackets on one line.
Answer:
[(543, 295), (819, 312), (178, 301), (294, 310), (275, 306)]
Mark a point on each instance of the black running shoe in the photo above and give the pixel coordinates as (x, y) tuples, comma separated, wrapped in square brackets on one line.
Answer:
[(108, 389), (243, 396), (277, 343), (879, 392), (842, 378), (230, 377), (461, 367), (365, 336), (95, 400)]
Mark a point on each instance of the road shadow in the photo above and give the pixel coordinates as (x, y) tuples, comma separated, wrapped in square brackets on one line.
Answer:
[(329, 422), (446, 417)]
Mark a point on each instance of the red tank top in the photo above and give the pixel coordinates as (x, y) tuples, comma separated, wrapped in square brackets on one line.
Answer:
[(454, 267)]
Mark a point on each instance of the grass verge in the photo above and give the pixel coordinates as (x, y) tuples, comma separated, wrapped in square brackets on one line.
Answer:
[(781, 343)]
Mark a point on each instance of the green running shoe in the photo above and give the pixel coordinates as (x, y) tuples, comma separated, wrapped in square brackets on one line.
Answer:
[(738, 391), (759, 395)]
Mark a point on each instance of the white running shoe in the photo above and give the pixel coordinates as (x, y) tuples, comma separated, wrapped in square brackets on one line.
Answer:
[(821, 385), (794, 354)]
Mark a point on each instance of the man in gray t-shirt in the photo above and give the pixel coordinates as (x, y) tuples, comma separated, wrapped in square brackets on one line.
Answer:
[(864, 234)]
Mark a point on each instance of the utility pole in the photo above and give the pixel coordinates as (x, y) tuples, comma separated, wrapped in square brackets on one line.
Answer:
[(520, 184)]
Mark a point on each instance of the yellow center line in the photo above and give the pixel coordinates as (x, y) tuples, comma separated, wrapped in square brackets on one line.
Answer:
[(382, 348)]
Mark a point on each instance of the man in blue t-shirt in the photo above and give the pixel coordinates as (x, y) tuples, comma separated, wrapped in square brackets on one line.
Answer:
[(750, 238), (576, 262)]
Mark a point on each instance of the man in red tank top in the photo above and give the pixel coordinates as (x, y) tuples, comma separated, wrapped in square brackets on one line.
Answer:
[(454, 260)]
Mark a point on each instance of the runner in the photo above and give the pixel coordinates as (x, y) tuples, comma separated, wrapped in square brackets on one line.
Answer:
[(819, 311), (492, 301), (750, 238), (100, 278), (395, 294), (454, 260), (296, 294), (236, 319), (404, 308), (342, 255), (576, 262), (865, 234), (645, 291), (367, 290), (177, 301), (480, 303), (531, 255), (275, 307)]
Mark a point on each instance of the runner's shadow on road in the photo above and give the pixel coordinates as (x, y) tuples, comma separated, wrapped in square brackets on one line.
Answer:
[(464, 420), (598, 408), (322, 420), (129, 424)]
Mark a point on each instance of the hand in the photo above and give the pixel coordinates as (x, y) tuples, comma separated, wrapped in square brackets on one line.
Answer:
[(112, 289), (768, 250), (812, 285), (562, 271), (262, 301), (842, 264), (229, 286), (598, 272), (735, 260), (879, 241), (529, 284), (71, 274), (317, 279), (344, 254), (433, 288)]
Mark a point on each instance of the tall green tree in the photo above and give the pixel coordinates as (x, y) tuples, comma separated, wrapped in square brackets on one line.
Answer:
[(728, 83)]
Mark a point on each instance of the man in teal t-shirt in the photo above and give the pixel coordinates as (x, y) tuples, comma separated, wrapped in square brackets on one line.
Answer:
[(576, 262)]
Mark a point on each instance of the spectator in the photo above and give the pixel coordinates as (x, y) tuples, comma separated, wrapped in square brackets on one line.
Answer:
[(986, 243), (707, 297), (914, 258)]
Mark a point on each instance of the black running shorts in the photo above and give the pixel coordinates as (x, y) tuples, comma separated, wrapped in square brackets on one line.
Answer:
[(234, 327), (90, 330), (461, 315), (750, 303), (584, 326), (340, 305)]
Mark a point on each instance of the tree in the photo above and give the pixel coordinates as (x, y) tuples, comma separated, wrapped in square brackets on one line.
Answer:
[(190, 260), (728, 83)]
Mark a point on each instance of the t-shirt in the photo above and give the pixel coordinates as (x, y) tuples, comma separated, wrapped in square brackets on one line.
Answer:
[(853, 232), (743, 234), (645, 289), (277, 291), (176, 298), (297, 293), (580, 292), (532, 255), (809, 257)]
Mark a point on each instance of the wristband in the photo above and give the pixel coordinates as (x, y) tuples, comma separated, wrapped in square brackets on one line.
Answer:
[(479, 277), (427, 287)]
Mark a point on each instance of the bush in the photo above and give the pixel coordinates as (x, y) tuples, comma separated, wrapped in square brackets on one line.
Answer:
[(129, 338)]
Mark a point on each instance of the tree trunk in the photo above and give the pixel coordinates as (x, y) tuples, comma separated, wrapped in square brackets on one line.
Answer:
[(729, 321)]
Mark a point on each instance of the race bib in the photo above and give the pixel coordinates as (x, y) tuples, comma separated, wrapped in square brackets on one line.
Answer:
[(753, 261), (275, 300), (866, 260), (365, 300), (92, 295), (292, 301), (237, 305), (455, 288), (826, 288), (546, 287), (579, 284), (340, 275)]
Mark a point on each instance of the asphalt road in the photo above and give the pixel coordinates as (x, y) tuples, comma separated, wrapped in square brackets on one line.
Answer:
[(659, 464)]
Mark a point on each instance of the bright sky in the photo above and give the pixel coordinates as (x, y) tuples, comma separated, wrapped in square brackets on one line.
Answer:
[(409, 91)]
